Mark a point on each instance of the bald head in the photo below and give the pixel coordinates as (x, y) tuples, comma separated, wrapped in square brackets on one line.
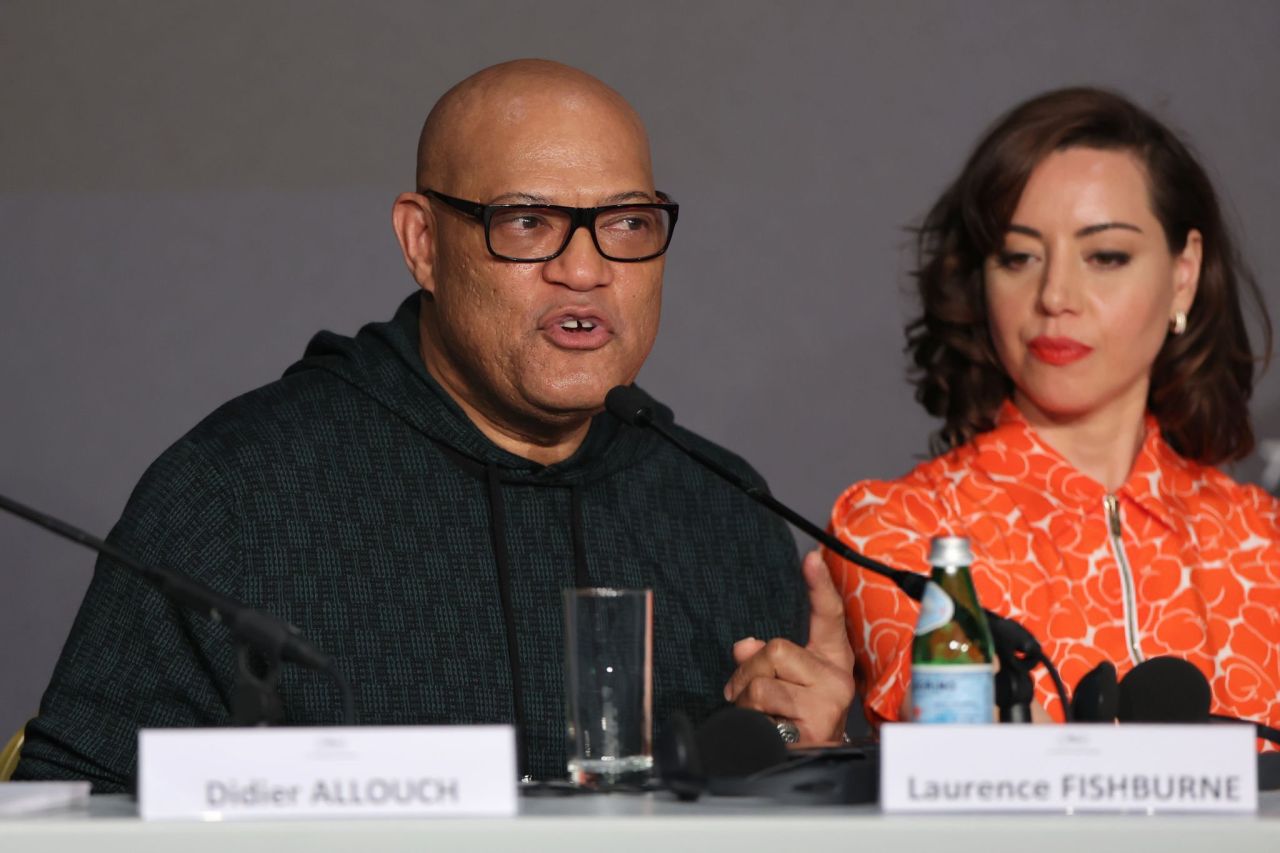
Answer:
[(506, 103)]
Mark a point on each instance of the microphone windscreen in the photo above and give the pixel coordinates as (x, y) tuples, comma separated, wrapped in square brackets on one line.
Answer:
[(679, 766), (1164, 690), (739, 742), (1097, 696), (629, 404)]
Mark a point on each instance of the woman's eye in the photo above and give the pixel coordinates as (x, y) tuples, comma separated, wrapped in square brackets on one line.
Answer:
[(1110, 259), (1012, 260)]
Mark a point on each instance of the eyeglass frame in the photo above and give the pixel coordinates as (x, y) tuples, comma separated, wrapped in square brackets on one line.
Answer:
[(579, 217)]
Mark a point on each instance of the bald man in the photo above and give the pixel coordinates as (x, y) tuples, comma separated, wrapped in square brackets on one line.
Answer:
[(415, 498)]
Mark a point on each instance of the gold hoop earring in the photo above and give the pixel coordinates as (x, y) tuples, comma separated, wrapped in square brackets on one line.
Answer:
[(1178, 324)]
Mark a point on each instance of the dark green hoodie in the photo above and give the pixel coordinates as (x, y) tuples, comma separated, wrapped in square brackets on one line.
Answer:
[(354, 498)]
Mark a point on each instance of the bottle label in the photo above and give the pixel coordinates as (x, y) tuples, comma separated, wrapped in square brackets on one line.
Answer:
[(953, 693), (936, 609)]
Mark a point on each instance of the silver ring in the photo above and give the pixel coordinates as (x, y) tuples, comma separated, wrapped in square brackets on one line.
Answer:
[(788, 731)]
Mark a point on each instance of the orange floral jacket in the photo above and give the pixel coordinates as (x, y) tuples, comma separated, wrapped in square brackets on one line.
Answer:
[(1181, 560)]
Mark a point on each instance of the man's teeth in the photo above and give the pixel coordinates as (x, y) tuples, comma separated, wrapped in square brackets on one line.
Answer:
[(572, 324)]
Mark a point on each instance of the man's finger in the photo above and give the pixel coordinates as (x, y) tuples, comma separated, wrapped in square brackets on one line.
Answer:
[(827, 636), (745, 649), (819, 715), (759, 664), (769, 696), (782, 659)]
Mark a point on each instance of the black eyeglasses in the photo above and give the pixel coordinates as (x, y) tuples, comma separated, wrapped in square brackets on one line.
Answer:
[(539, 232)]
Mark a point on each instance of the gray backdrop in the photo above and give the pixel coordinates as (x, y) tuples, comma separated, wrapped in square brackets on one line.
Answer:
[(189, 190)]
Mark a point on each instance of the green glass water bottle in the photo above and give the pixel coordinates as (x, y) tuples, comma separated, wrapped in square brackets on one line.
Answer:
[(952, 674)]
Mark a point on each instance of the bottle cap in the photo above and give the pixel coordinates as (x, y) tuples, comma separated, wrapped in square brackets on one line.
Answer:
[(950, 551)]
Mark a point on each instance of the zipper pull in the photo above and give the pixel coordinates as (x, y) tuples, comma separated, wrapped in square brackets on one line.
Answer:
[(1113, 513)]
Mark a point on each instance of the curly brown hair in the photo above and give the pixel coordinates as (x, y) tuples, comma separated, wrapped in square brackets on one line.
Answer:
[(1201, 380)]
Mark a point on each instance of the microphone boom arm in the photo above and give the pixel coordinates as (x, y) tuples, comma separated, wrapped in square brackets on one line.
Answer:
[(1017, 648), (274, 638)]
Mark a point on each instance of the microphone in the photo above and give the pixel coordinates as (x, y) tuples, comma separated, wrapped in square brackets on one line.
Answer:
[(1172, 690), (1164, 690), (737, 752), (739, 742), (1018, 649), (635, 407), (731, 742), (274, 638), (1096, 696)]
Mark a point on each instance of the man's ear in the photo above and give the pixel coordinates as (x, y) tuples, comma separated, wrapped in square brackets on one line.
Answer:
[(414, 223)]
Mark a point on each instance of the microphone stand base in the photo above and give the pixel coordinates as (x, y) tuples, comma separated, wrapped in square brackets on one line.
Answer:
[(845, 775)]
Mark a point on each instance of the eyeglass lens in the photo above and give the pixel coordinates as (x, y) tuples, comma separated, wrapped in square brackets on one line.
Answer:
[(620, 232)]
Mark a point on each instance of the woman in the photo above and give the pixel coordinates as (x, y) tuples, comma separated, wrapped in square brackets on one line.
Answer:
[(1083, 340)]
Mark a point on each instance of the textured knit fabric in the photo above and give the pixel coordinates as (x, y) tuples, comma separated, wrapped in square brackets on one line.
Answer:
[(1203, 555), (353, 498)]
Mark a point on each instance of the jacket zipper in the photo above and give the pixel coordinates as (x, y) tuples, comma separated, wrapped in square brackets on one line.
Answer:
[(1130, 601)]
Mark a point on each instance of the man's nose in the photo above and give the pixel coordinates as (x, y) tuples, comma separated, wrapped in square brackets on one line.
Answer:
[(580, 266)]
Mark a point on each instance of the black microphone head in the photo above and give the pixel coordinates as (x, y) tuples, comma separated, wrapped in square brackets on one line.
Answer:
[(1012, 635), (679, 765), (1164, 690), (1097, 696), (739, 742), (630, 405)]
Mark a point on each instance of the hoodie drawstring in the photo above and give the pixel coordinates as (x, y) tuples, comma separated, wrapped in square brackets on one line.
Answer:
[(498, 536), (498, 532), (580, 578)]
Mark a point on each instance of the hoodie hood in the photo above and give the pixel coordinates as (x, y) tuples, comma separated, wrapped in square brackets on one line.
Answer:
[(402, 384)]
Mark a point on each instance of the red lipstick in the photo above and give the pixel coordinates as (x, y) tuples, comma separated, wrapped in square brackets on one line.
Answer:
[(1058, 351)]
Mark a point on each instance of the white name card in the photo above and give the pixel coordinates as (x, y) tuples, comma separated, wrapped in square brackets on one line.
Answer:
[(262, 773), (1075, 768)]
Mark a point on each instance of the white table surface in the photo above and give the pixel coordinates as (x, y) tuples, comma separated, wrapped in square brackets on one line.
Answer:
[(622, 823)]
